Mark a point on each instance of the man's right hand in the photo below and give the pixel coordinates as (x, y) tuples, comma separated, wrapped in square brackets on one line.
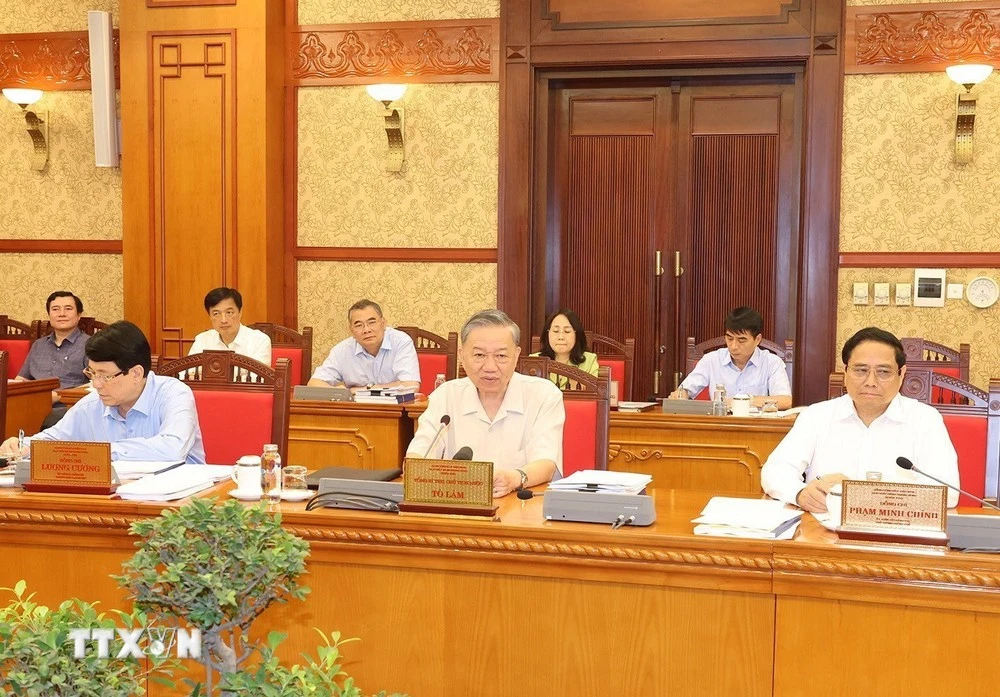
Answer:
[(9, 449), (678, 394), (813, 497)]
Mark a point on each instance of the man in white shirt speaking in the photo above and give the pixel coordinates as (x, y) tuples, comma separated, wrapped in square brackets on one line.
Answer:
[(514, 421), (225, 309), (860, 435)]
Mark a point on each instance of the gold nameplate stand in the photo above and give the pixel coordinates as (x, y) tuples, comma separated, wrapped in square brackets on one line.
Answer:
[(70, 467), (894, 512), (448, 487)]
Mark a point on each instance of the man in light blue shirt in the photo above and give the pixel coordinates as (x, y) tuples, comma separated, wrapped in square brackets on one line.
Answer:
[(742, 366), (144, 416), (374, 356)]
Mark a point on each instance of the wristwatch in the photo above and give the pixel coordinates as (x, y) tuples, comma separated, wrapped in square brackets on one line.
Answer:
[(524, 479)]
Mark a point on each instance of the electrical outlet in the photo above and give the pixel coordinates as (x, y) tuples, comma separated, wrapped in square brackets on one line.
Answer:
[(955, 291)]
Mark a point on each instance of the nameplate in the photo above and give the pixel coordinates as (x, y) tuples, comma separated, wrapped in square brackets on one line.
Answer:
[(448, 486), (70, 467), (894, 511)]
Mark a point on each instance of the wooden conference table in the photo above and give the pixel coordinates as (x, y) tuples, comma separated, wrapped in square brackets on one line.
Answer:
[(449, 607), (28, 403)]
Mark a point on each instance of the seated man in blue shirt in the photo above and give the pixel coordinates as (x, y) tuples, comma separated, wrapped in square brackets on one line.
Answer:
[(143, 415), (374, 356), (742, 366)]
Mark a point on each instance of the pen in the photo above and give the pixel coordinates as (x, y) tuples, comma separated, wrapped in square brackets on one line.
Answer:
[(20, 440)]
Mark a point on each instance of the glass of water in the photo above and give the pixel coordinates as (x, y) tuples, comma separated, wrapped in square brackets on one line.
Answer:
[(770, 408), (295, 477)]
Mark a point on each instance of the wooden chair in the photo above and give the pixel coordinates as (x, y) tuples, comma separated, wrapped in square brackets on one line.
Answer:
[(242, 403), (617, 356), (923, 354), (436, 355), (585, 434), (88, 325), (15, 339), (288, 343), (974, 425), (694, 353)]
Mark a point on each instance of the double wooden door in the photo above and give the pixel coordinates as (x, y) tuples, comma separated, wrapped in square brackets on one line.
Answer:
[(667, 201)]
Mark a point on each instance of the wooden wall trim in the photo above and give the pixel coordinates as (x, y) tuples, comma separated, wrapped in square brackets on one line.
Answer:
[(188, 3), (446, 255), (920, 37), (640, 16), (61, 246), (906, 260), (428, 51), (52, 61)]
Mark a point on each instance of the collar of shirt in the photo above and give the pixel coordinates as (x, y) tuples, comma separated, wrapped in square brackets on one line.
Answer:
[(386, 346), (727, 359), (894, 412), (239, 341), (142, 405), (71, 337), (513, 400)]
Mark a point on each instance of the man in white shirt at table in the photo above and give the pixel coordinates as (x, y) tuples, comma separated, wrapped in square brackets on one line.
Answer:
[(225, 309), (860, 435), (514, 421), (375, 355)]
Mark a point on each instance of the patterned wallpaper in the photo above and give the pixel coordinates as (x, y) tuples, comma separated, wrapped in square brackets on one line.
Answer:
[(446, 195), (95, 278), (438, 297), (355, 11), (20, 16), (71, 198)]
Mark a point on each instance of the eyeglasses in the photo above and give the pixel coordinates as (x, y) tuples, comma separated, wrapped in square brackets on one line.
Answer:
[(882, 374), (479, 358), (99, 379), (370, 324), (228, 314)]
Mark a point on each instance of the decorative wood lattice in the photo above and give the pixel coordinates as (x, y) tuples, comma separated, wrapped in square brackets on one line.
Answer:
[(54, 61)]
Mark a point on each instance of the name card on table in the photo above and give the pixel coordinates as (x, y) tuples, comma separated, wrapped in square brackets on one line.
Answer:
[(450, 487), (70, 467), (894, 512)]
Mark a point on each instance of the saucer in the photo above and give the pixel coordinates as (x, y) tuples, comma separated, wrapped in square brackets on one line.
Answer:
[(246, 495), (296, 494)]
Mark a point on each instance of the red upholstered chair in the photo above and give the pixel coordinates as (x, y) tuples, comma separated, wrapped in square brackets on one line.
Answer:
[(694, 353), (88, 325), (15, 339), (921, 353), (242, 403), (974, 425), (288, 343), (436, 355), (585, 435), (615, 355)]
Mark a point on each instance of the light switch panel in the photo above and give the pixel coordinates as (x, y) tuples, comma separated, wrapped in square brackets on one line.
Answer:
[(955, 291), (881, 293), (860, 293), (904, 293)]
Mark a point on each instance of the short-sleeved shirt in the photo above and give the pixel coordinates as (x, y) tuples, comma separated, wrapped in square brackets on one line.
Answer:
[(252, 343), (350, 364), (764, 374), (527, 427), (66, 361)]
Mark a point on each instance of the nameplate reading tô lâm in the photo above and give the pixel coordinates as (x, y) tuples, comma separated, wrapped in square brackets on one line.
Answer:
[(453, 487)]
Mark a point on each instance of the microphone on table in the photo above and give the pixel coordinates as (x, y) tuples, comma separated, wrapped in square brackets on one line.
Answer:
[(525, 494), (445, 420), (906, 464), (464, 453)]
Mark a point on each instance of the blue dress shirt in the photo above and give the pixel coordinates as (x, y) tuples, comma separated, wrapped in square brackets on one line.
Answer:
[(161, 426), (350, 364), (763, 375), (65, 361)]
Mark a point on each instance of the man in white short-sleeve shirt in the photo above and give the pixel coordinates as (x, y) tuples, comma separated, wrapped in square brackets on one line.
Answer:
[(228, 333), (860, 435), (514, 421)]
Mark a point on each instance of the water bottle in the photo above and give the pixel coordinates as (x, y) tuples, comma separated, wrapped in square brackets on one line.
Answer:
[(439, 380), (270, 473), (719, 400)]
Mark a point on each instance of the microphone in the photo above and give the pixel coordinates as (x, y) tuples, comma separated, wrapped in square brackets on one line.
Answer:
[(525, 494), (464, 453), (906, 464), (445, 420)]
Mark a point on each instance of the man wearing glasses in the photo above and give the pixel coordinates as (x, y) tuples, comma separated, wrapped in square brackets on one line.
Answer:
[(143, 415), (514, 421), (225, 309), (860, 435), (375, 355)]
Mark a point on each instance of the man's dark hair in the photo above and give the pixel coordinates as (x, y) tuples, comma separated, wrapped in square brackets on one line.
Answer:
[(64, 294), (744, 319), (575, 353), (217, 295), (364, 304), (122, 343), (874, 334)]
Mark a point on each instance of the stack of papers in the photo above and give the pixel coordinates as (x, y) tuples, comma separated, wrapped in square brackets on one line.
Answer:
[(175, 483), (135, 469), (755, 518), (603, 481), (388, 395), (635, 406)]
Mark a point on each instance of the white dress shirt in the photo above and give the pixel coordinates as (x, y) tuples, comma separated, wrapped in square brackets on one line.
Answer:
[(251, 343), (829, 437), (528, 426), (764, 374), (350, 364)]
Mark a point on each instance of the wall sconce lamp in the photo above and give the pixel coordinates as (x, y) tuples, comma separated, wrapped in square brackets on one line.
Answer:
[(387, 94), (968, 75), (38, 128)]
